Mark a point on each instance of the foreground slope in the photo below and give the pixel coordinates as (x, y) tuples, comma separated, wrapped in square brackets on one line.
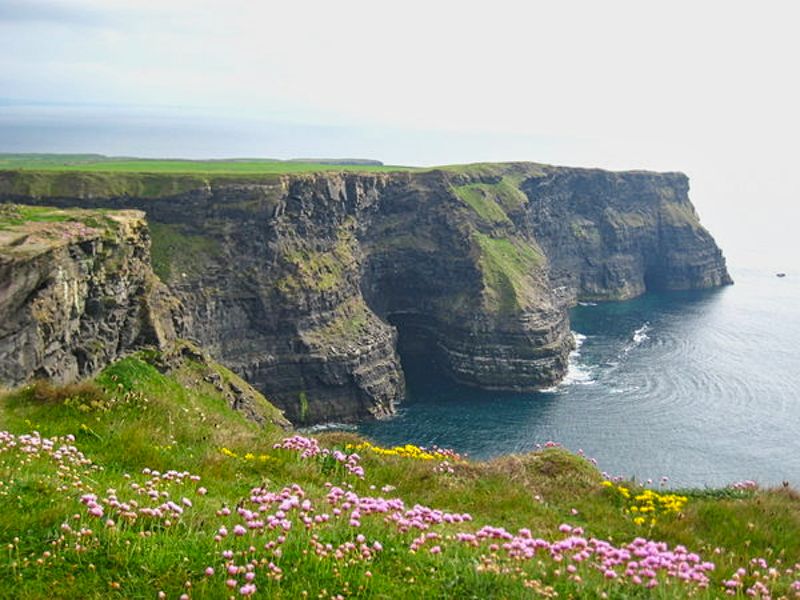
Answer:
[(147, 481)]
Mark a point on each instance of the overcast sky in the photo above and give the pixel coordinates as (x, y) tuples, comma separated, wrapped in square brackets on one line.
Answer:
[(708, 88)]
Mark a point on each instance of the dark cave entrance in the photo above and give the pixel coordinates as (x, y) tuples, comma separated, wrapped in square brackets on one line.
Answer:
[(654, 279), (409, 290), (417, 346)]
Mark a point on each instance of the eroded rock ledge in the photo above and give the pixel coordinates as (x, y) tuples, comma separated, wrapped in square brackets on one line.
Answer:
[(303, 284)]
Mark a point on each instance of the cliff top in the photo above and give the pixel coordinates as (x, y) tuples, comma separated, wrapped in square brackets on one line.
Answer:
[(33, 229), (97, 163), (233, 167), (97, 176)]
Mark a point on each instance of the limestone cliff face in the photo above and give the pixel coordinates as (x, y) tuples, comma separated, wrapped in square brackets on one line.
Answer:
[(76, 290), (306, 285), (616, 235)]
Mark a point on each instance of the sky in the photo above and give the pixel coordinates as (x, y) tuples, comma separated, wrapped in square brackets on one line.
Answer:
[(708, 88)]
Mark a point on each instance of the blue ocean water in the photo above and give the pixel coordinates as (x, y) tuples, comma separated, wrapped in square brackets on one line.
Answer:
[(701, 387)]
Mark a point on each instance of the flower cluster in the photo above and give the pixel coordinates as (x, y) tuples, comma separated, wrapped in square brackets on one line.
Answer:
[(260, 541), (310, 448), (248, 456), (410, 451), (758, 579), (154, 504), (277, 516), (641, 563), (747, 484), (646, 504), (17, 453)]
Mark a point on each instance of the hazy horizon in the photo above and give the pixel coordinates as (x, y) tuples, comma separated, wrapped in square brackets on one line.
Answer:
[(703, 89)]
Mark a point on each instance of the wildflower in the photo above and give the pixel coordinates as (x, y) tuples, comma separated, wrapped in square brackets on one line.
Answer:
[(248, 589)]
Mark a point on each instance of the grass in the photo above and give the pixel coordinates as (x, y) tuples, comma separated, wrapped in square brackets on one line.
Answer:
[(137, 416), (508, 268), (585, 230), (90, 176), (481, 199), (318, 270), (14, 216), (174, 251), (90, 183), (514, 171), (493, 201), (93, 175), (347, 326), (83, 163), (680, 214)]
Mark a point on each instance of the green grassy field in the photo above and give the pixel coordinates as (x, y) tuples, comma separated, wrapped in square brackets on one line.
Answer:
[(144, 482), (102, 164)]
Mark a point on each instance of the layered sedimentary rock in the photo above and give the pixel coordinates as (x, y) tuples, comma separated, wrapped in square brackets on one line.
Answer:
[(305, 284), (616, 235), (76, 291)]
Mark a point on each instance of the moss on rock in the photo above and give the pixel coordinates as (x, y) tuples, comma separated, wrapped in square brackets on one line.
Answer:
[(508, 267)]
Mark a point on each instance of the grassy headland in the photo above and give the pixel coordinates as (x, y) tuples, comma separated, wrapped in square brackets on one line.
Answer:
[(144, 481)]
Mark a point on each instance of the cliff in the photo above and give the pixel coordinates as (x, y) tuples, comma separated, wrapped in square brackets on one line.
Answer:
[(76, 291), (306, 285)]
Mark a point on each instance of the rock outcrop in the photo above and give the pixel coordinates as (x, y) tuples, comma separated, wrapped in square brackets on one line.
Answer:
[(306, 285), (76, 291)]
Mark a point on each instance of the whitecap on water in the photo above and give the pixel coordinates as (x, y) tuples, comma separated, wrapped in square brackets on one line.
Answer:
[(639, 336), (328, 427), (577, 373)]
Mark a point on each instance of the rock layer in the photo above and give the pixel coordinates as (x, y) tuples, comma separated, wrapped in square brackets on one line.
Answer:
[(305, 284)]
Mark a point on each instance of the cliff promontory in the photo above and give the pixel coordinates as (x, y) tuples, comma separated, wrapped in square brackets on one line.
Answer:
[(76, 291), (307, 285)]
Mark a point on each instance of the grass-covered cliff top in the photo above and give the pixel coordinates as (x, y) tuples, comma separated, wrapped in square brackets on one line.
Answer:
[(144, 482), (94, 175), (97, 163), (28, 229), (90, 175)]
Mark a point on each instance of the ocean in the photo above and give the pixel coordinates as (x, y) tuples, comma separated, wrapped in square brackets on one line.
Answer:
[(701, 387)]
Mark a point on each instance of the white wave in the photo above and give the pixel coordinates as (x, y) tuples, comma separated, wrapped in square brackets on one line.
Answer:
[(328, 427), (579, 340), (639, 336), (577, 373), (587, 303)]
